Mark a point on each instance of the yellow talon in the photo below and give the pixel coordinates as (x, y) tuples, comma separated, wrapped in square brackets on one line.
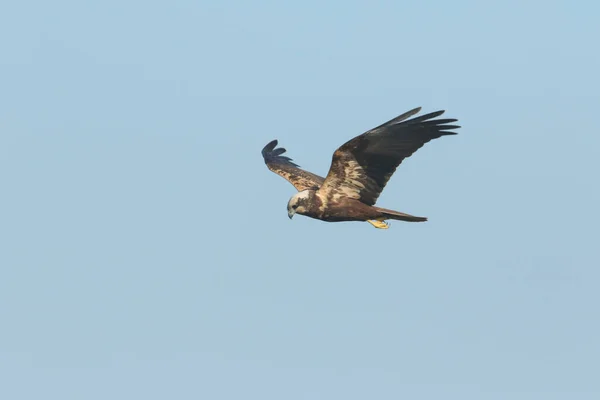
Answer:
[(378, 224)]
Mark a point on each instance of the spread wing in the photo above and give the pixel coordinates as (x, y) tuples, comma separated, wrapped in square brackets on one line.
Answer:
[(290, 171), (362, 166)]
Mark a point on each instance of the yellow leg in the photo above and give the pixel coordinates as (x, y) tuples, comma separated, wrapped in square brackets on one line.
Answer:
[(378, 224)]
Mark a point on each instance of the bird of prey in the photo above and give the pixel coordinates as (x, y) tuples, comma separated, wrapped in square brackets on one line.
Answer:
[(359, 171)]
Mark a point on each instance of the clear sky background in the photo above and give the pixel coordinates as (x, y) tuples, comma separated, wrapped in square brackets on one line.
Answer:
[(146, 251)]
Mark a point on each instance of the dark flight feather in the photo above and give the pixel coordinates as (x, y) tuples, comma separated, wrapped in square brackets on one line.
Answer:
[(361, 167)]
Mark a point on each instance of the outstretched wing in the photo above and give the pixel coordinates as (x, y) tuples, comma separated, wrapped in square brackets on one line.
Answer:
[(290, 171), (362, 166)]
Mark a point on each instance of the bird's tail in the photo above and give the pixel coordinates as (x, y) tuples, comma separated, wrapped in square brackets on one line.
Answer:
[(391, 214)]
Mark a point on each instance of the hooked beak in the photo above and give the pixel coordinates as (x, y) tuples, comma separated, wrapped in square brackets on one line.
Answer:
[(291, 213)]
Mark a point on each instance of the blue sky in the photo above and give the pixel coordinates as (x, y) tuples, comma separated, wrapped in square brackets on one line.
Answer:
[(146, 251)]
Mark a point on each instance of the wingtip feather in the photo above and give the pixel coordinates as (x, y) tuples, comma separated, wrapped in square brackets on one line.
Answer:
[(270, 146)]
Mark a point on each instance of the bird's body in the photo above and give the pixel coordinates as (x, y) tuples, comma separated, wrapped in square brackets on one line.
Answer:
[(359, 171), (315, 204)]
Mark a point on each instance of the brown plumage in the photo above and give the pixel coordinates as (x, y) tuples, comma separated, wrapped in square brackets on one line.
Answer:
[(359, 170)]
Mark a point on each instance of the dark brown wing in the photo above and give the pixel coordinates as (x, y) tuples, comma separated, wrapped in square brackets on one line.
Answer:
[(284, 166), (361, 167)]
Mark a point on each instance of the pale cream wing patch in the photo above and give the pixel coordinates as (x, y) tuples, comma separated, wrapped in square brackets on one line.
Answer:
[(346, 178), (349, 184)]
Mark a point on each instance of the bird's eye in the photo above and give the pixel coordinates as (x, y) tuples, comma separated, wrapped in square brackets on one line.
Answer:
[(294, 206)]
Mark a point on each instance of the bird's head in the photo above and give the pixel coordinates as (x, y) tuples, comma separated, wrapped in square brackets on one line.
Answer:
[(298, 203)]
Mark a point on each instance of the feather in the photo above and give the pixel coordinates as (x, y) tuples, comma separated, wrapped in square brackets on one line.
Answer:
[(286, 168), (361, 167)]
